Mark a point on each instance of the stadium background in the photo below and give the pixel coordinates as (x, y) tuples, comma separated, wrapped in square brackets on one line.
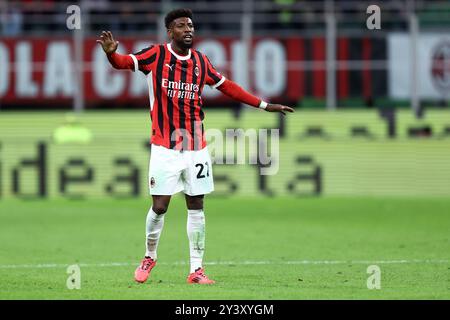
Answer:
[(372, 123)]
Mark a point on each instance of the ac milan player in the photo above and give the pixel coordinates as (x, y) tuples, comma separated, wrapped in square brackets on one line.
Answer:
[(176, 75)]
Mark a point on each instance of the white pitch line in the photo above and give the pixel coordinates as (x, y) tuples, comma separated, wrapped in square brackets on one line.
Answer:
[(297, 262)]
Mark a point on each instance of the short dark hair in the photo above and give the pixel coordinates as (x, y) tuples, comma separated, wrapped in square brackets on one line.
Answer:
[(175, 14)]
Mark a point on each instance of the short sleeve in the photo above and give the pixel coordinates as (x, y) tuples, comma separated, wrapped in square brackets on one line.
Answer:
[(213, 77), (144, 59)]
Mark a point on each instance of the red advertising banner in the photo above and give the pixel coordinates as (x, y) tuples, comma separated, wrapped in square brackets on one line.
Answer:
[(43, 70)]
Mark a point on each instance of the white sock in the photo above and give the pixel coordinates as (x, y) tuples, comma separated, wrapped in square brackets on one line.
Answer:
[(196, 235), (153, 226)]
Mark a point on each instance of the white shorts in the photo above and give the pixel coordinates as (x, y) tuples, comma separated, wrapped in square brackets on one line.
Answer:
[(172, 171)]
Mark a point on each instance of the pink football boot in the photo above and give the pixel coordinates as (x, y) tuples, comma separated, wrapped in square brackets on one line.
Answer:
[(143, 271)]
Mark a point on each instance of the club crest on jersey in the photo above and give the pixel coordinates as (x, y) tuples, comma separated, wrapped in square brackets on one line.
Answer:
[(152, 182), (197, 71)]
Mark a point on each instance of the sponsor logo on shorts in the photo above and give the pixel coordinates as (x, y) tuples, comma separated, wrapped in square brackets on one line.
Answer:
[(152, 182)]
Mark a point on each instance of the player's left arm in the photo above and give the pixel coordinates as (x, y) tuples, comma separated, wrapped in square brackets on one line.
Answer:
[(233, 90)]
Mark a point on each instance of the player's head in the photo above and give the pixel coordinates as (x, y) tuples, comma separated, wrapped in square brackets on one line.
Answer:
[(180, 27)]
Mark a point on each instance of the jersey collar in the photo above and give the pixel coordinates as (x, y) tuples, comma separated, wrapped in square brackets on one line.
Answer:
[(186, 57)]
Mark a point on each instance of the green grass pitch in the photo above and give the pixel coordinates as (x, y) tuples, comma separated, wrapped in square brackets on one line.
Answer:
[(257, 248)]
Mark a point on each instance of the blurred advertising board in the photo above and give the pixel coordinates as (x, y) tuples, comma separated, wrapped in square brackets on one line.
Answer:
[(432, 63), (321, 154), (286, 69)]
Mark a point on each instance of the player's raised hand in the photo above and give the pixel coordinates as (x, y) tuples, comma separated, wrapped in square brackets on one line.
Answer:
[(278, 108), (108, 43)]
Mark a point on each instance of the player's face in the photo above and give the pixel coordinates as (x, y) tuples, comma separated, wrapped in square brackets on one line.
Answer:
[(182, 32)]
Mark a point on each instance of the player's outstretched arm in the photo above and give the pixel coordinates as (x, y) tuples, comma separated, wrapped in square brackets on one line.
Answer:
[(236, 92), (109, 46)]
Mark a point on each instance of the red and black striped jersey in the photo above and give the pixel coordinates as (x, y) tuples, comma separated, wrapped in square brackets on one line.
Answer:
[(175, 87)]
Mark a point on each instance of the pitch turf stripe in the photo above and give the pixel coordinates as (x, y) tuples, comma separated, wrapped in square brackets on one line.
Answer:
[(299, 262)]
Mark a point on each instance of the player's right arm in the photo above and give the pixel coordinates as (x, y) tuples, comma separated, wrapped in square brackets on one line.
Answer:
[(109, 45)]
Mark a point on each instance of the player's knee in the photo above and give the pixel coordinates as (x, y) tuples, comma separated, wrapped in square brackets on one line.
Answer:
[(195, 203), (159, 208)]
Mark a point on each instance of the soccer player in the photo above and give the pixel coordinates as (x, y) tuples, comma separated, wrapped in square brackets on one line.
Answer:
[(179, 161)]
